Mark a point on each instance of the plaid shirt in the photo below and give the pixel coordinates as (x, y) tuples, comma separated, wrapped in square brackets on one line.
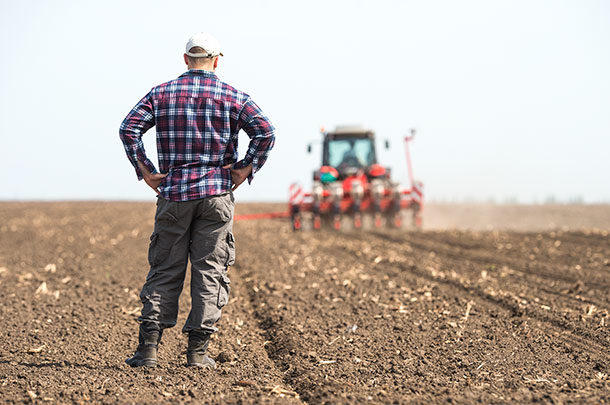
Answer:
[(197, 120)]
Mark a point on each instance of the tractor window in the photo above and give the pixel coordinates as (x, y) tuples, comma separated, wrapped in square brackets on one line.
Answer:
[(351, 152)]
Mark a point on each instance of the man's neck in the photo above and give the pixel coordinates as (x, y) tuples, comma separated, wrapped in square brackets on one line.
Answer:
[(206, 68)]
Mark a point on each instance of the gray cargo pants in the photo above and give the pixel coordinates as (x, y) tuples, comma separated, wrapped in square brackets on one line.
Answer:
[(200, 229)]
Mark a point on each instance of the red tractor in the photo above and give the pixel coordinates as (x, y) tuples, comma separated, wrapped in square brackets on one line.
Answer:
[(351, 183)]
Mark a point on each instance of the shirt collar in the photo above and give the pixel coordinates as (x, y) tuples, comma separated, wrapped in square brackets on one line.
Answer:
[(198, 72)]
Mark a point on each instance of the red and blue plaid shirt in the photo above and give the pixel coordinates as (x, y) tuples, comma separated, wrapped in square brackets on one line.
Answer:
[(197, 120)]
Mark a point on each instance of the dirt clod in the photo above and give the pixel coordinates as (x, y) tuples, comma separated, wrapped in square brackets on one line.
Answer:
[(225, 357)]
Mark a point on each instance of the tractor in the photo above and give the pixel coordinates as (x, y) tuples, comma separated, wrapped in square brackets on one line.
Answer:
[(351, 183)]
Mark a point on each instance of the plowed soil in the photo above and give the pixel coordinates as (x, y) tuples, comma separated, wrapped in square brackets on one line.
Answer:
[(509, 306)]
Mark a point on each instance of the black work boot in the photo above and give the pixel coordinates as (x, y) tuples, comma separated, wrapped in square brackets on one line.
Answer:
[(195, 353), (146, 353)]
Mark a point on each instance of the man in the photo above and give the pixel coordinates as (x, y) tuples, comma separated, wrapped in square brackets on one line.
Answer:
[(197, 119)]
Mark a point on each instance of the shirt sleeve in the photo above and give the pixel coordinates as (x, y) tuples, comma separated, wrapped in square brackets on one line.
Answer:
[(139, 120), (262, 137)]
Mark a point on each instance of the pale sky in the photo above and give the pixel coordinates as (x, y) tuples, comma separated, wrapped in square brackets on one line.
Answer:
[(510, 99)]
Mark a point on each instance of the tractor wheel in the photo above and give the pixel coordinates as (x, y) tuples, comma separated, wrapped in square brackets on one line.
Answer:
[(296, 223)]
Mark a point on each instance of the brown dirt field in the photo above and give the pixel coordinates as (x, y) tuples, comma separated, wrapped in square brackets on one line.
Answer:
[(489, 304)]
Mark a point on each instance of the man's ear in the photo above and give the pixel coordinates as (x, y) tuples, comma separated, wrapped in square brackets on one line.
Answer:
[(215, 62), (186, 59)]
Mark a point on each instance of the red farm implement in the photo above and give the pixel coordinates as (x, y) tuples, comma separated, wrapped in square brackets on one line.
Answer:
[(351, 185)]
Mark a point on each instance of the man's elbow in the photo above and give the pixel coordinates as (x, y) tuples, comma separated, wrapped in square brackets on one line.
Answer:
[(124, 129), (272, 139), (126, 132)]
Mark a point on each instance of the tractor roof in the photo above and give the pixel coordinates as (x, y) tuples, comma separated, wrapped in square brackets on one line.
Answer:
[(350, 131)]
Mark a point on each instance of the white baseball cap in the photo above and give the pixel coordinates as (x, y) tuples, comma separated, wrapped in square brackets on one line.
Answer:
[(205, 41)]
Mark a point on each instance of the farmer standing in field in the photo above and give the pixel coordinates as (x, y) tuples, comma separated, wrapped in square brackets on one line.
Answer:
[(197, 120)]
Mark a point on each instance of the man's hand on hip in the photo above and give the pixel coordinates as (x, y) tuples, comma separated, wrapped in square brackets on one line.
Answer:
[(238, 176), (153, 180)]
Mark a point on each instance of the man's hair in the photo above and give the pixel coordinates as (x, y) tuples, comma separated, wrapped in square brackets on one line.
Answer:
[(199, 60)]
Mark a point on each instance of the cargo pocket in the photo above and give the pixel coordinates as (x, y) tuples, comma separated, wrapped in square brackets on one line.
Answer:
[(151, 248), (157, 253), (230, 250), (223, 291)]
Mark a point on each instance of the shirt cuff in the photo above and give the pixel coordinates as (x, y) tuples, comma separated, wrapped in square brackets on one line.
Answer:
[(149, 165), (246, 161)]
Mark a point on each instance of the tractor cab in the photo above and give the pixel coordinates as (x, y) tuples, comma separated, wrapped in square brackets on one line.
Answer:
[(349, 150)]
